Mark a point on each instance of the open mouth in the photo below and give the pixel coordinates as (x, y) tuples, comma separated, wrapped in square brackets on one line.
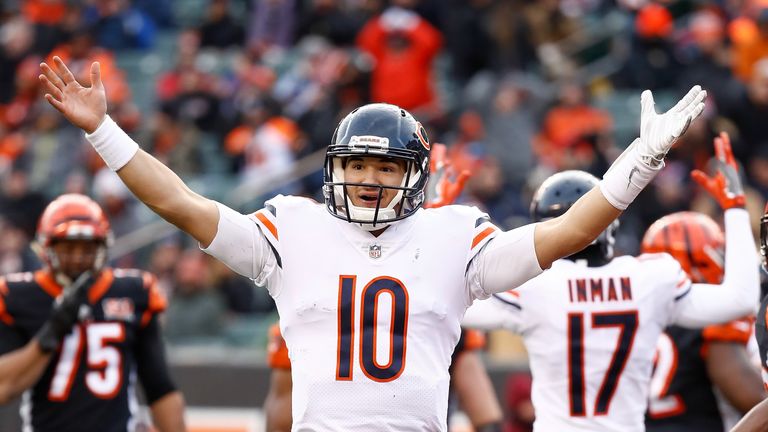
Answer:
[(368, 199)]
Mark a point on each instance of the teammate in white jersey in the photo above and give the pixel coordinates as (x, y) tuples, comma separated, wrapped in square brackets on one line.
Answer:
[(370, 288), (591, 322)]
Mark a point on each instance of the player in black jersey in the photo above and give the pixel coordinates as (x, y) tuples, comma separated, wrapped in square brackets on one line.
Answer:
[(698, 371), (757, 419), (75, 336)]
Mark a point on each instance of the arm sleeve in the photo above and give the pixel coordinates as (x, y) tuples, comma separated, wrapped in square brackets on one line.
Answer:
[(240, 244), (504, 263), (737, 296), (151, 365)]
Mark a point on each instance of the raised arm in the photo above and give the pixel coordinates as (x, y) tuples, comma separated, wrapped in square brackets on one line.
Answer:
[(152, 182), (738, 294), (630, 173)]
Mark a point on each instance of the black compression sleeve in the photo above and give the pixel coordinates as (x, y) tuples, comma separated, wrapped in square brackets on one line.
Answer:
[(151, 364)]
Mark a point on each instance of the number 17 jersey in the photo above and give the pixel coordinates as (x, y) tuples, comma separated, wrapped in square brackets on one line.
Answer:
[(591, 336)]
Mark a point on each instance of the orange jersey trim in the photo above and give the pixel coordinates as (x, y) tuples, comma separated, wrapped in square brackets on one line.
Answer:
[(473, 340), (267, 223), (483, 234), (4, 315), (100, 287), (277, 350), (47, 283), (736, 331)]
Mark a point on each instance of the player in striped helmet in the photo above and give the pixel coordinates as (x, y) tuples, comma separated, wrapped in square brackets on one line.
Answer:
[(703, 379)]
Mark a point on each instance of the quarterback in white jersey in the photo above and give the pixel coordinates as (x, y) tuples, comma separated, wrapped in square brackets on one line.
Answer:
[(591, 323), (371, 288)]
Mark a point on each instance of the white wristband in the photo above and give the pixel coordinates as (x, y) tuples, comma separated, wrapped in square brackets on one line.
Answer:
[(112, 144), (627, 177)]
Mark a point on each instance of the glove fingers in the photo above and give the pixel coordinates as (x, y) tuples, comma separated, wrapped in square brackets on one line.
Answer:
[(720, 150), (727, 149), (462, 179), (647, 103), (700, 178), (709, 184), (688, 99), (694, 111)]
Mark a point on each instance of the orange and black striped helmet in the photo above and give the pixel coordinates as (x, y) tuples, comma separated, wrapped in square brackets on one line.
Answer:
[(72, 217), (694, 240)]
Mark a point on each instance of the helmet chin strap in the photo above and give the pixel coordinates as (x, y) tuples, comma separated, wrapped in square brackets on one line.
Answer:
[(365, 213)]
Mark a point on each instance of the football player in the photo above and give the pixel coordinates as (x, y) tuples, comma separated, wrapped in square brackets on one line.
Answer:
[(757, 419), (75, 336), (591, 322), (703, 380), (370, 287), (469, 379)]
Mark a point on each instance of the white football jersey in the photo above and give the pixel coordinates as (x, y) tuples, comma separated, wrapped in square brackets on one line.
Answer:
[(371, 322), (591, 336)]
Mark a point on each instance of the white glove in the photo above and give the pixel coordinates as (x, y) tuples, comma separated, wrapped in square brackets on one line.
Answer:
[(659, 131)]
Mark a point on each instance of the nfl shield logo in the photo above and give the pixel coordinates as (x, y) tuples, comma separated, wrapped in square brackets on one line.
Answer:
[(374, 251)]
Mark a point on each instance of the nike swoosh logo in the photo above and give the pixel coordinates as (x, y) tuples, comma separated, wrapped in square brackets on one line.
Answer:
[(631, 173)]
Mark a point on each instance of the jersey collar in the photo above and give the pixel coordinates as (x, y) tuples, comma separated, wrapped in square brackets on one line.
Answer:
[(47, 283)]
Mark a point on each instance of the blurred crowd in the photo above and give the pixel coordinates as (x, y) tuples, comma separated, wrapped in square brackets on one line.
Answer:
[(234, 92)]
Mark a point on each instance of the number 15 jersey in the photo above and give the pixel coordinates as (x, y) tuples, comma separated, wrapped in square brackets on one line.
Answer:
[(370, 322)]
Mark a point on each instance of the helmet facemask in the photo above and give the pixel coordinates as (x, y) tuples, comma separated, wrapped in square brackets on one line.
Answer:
[(408, 198)]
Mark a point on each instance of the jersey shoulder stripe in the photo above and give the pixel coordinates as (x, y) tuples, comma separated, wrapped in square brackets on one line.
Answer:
[(509, 298), (268, 218)]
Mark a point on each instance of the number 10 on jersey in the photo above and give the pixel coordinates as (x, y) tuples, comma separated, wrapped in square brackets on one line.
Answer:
[(368, 334)]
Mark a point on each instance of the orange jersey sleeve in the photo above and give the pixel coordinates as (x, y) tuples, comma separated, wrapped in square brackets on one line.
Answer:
[(156, 302)]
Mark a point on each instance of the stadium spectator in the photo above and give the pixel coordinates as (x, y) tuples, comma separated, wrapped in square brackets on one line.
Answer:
[(404, 46), (220, 30)]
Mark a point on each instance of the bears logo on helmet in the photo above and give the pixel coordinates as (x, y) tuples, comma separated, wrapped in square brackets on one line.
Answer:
[(694, 240)]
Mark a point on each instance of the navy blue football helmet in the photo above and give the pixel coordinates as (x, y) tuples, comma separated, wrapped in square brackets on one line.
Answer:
[(557, 194), (377, 130)]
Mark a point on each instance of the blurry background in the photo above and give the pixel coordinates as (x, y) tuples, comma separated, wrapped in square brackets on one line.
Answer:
[(240, 98)]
